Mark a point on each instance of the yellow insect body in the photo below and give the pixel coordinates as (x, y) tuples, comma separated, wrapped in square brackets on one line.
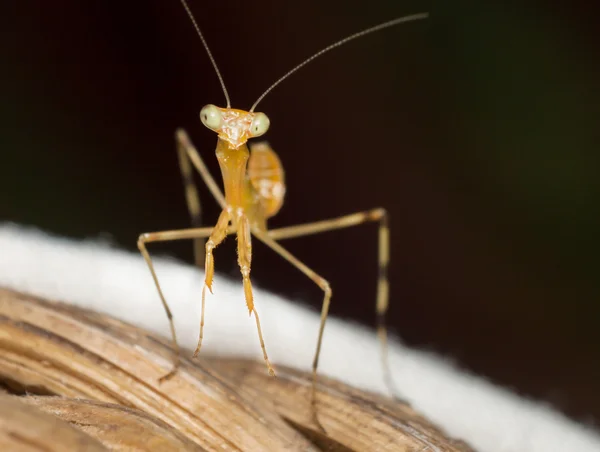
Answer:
[(254, 190)]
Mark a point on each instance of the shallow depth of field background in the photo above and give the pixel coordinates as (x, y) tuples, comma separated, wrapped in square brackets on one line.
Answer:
[(477, 129)]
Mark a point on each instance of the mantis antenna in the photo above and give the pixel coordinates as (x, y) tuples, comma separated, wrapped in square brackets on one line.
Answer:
[(212, 60), (359, 34)]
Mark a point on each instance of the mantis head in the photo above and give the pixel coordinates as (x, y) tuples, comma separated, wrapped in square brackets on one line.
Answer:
[(232, 125)]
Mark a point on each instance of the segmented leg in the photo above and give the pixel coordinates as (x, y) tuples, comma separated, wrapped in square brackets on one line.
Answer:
[(355, 219), (184, 142), (245, 262), (319, 281), (165, 236), (188, 155), (216, 237)]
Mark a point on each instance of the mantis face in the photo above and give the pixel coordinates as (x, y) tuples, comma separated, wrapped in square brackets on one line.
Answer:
[(232, 125)]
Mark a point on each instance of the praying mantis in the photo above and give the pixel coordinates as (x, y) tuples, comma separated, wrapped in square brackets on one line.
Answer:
[(254, 190)]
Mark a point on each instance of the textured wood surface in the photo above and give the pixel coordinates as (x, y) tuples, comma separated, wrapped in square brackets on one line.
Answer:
[(77, 380)]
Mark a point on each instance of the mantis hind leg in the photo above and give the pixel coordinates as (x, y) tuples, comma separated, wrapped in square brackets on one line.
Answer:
[(382, 304), (188, 156)]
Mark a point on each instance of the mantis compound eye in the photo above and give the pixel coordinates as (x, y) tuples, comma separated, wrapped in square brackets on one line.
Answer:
[(260, 125), (211, 117)]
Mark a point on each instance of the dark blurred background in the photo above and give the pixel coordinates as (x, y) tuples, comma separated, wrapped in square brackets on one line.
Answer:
[(477, 129)]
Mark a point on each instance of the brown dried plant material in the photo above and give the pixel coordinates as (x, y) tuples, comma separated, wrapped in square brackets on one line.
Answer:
[(25, 428), (361, 420), (52, 349), (115, 426)]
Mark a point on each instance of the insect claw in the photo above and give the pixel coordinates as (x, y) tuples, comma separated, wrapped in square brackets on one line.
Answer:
[(169, 374)]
